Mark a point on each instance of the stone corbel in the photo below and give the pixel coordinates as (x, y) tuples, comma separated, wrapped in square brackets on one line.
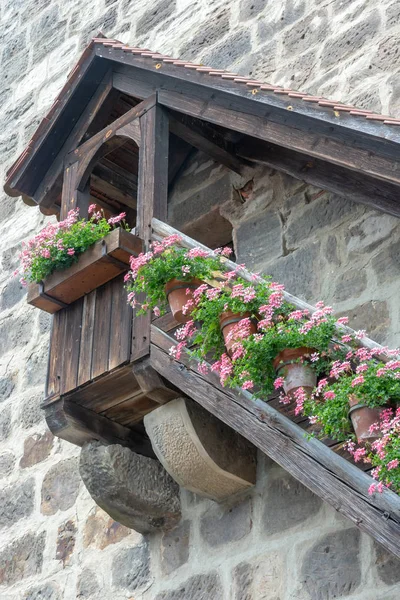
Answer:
[(134, 490), (200, 452)]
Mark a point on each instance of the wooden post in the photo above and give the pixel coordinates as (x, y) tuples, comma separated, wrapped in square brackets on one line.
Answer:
[(152, 200)]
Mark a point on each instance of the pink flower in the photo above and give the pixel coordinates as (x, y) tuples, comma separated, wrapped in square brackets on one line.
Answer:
[(186, 269), (346, 338), (342, 321), (372, 489), (392, 464), (70, 251), (202, 368), (357, 381), (117, 219), (278, 383), (248, 385), (156, 311), (329, 395), (92, 208)]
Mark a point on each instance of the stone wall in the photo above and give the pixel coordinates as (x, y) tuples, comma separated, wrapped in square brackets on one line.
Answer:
[(279, 542)]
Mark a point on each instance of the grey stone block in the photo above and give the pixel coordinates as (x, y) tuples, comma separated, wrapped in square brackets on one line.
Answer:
[(200, 202), (13, 292), (6, 388), (22, 558), (223, 524), (331, 568), (175, 547), (338, 48), (229, 51), (387, 565), (13, 45), (8, 145), (373, 316), (88, 585), (299, 271), (36, 449), (15, 332), (30, 411), (386, 264), (15, 69), (199, 587), (287, 503), (259, 240), (66, 538), (134, 490), (207, 34), (5, 423), (60, 487), (47, 33), (131, 568), (250, 8), (7, 463), (350, 284), (16, 502), (305, 33), (48, 591), (322, 212), (154, 16)]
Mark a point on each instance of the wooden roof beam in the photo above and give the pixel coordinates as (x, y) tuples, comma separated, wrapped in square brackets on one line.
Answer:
[(353, 186)]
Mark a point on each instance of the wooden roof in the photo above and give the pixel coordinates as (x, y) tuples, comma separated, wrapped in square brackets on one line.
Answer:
[(351, 140)]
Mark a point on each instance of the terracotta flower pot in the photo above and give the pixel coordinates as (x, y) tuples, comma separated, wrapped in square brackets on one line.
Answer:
[(296, 374), (362, 417), (228, 321), (177, 296)]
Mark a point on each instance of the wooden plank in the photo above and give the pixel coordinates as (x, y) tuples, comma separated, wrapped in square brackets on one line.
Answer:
[(161, 230), (87, 332), (331, 477), (109, 389), (79, 425), (296, 138), (69, 194), (118, 177), (151, 383), (153, 170), (56, 355), (106, 133), (101, 334), (131, 411), (152, 201), (135, 75), (120, 333), (93, 268), (353, 186), (198, 139), (71, 346), (45, 195)]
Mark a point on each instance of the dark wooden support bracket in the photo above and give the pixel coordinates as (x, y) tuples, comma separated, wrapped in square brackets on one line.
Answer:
[(331, 477), (354, 186), (80, 425), (151, 383), (199, 140), (152, 200)]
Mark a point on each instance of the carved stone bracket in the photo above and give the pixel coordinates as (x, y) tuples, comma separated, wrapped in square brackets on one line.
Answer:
[(200, 452), (133, 489)]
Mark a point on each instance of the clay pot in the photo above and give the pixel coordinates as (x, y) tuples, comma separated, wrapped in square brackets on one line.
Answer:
[(227, 321), (362, 417), (296, 374), (177, 296)]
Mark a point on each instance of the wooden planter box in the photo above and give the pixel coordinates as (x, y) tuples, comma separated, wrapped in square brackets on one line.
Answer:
[(103, 261)]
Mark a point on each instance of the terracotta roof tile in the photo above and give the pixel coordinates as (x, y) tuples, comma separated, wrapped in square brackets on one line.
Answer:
[(227, 76)]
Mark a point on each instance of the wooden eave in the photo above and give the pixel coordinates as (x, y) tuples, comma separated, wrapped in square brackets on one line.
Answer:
[(353, 140)]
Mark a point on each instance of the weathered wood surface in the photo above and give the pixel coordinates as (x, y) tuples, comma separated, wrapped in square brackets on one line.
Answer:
[(87, 341), (199, 140), (103, 261), (305, 141), (47, 191), (331, 477), (353, 186), (152, 200), (151, 384), (79, 425), (161, 230)]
